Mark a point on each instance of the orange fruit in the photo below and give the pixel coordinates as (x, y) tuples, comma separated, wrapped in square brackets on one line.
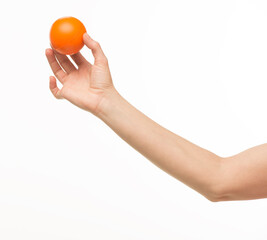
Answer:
[(66, 35)]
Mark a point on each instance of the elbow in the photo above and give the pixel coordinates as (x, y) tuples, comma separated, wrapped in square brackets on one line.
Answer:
[(218, 193), (219, 190), (217, 196)]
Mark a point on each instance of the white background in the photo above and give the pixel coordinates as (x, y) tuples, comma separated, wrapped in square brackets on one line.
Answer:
[(196, 67)]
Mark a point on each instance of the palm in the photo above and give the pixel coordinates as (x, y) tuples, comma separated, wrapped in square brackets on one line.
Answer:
[(85, 84)]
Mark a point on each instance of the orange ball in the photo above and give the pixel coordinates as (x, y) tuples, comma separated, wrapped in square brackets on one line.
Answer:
[(66, 35)]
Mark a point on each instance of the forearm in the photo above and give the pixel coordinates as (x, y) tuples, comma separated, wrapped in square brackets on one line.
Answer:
[(196, 167)]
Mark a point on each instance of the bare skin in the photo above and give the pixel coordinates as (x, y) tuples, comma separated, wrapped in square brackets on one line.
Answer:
[(90, 87)]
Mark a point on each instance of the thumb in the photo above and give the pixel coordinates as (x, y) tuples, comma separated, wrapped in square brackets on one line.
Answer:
[(95, 47)]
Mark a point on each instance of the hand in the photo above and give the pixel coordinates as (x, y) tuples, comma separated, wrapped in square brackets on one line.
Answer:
[(85, 85)]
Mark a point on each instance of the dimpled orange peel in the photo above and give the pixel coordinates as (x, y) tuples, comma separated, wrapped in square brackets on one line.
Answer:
[(66, 35)]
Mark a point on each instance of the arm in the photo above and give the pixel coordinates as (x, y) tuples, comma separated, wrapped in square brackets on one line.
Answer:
[(239, 177), (196, 167), (90, 87), (244, 175)]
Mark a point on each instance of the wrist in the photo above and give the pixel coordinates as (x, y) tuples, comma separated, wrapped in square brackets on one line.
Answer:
[(109, 100)]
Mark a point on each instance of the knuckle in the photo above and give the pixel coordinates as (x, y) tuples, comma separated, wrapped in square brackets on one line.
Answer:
[(64, 93), (104, 60), (54, 94), (96, 44), (65, 62)]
